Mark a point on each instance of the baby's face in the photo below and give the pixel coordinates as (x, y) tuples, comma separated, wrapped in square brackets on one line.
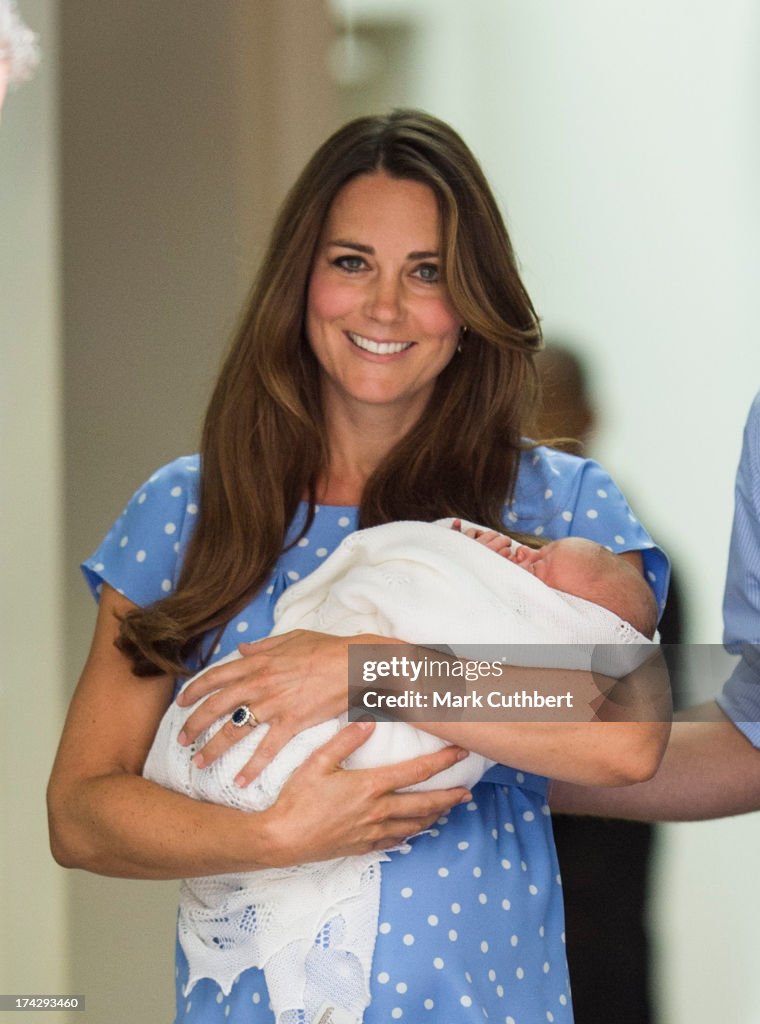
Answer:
[(580, 567), (568, 565)]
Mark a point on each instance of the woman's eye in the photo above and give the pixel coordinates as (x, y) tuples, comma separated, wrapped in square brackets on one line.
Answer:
[(429, 272), (350, 263)]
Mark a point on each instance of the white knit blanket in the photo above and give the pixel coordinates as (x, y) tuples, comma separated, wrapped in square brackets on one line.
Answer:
[(312, 927)]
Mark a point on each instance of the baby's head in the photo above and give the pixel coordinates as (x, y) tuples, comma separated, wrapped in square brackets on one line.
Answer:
[(578, 566)]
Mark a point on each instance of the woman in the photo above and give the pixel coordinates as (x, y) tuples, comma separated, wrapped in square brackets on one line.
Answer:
[(382, 371)]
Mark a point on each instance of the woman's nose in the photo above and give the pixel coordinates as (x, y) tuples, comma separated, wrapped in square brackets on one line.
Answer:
[(384, 301)]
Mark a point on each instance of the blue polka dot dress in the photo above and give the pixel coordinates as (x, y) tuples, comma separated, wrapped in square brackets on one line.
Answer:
[(471, 920)]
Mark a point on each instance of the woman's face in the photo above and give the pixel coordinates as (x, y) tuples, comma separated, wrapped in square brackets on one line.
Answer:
[(378, 317)]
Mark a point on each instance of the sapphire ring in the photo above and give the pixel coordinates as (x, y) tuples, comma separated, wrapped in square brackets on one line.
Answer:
[(243, 716)]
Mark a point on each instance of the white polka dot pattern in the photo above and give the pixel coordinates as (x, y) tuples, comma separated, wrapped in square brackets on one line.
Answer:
[(471, 924)]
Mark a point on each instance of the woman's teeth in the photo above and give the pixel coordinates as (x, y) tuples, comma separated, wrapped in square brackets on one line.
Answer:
[(379, 348)]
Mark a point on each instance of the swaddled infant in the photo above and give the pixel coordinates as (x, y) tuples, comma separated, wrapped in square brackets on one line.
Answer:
[(571, 566)]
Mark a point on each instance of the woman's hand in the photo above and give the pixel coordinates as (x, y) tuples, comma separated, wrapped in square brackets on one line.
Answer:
[(289, 682), (327, 811)]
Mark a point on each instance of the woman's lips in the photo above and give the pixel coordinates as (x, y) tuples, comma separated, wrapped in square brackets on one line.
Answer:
[(378, 348)]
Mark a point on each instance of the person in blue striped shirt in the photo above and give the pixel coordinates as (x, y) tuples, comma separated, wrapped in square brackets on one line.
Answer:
[(711, 768)]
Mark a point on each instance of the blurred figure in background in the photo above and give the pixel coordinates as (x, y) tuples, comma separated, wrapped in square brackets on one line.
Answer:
[(18, 48), (605, 864)]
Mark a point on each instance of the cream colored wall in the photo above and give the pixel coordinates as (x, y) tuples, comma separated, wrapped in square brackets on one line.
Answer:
[(32, 890)]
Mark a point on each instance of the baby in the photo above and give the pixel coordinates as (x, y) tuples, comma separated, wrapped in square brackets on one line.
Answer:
[(406, 580), (574, 565)]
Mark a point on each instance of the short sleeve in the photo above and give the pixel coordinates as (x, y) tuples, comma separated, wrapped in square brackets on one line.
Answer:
[(561, 495), (601, 513), (141, 555)]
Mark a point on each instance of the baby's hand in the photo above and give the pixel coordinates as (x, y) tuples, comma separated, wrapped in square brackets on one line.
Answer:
[(495, 542), (490, 539), (525, 556)]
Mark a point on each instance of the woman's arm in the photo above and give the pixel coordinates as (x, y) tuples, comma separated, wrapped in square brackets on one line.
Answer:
[(297, 679), (595, 746), (592, 753), (596, 751), (106, 818), (587, 746)]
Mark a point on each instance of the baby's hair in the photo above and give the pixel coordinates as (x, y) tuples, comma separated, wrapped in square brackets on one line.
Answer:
[(612, 582), (632, 601)]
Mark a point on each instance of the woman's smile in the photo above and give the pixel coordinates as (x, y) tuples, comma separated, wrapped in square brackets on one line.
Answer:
[(378, 348)]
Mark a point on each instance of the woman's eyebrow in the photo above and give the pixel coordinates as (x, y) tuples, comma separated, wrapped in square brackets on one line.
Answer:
[(420, 254), (344, 244)]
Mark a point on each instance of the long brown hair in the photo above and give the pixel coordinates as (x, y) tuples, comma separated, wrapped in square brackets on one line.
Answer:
[(264, 444)]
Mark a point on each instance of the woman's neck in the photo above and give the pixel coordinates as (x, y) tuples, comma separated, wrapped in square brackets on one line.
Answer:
[(357, 444)]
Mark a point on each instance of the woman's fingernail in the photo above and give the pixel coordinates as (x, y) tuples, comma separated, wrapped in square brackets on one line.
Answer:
[(466, 798), (198, 760), (365, 724), (241, 781), (462, 755), (182, 738)]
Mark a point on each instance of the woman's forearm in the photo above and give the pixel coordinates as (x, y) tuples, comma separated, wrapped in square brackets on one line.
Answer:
[(125, 826), (606, 734), (104, 816), (590, 754)]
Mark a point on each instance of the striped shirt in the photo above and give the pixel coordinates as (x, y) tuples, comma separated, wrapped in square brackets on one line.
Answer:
[(741, 604)]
